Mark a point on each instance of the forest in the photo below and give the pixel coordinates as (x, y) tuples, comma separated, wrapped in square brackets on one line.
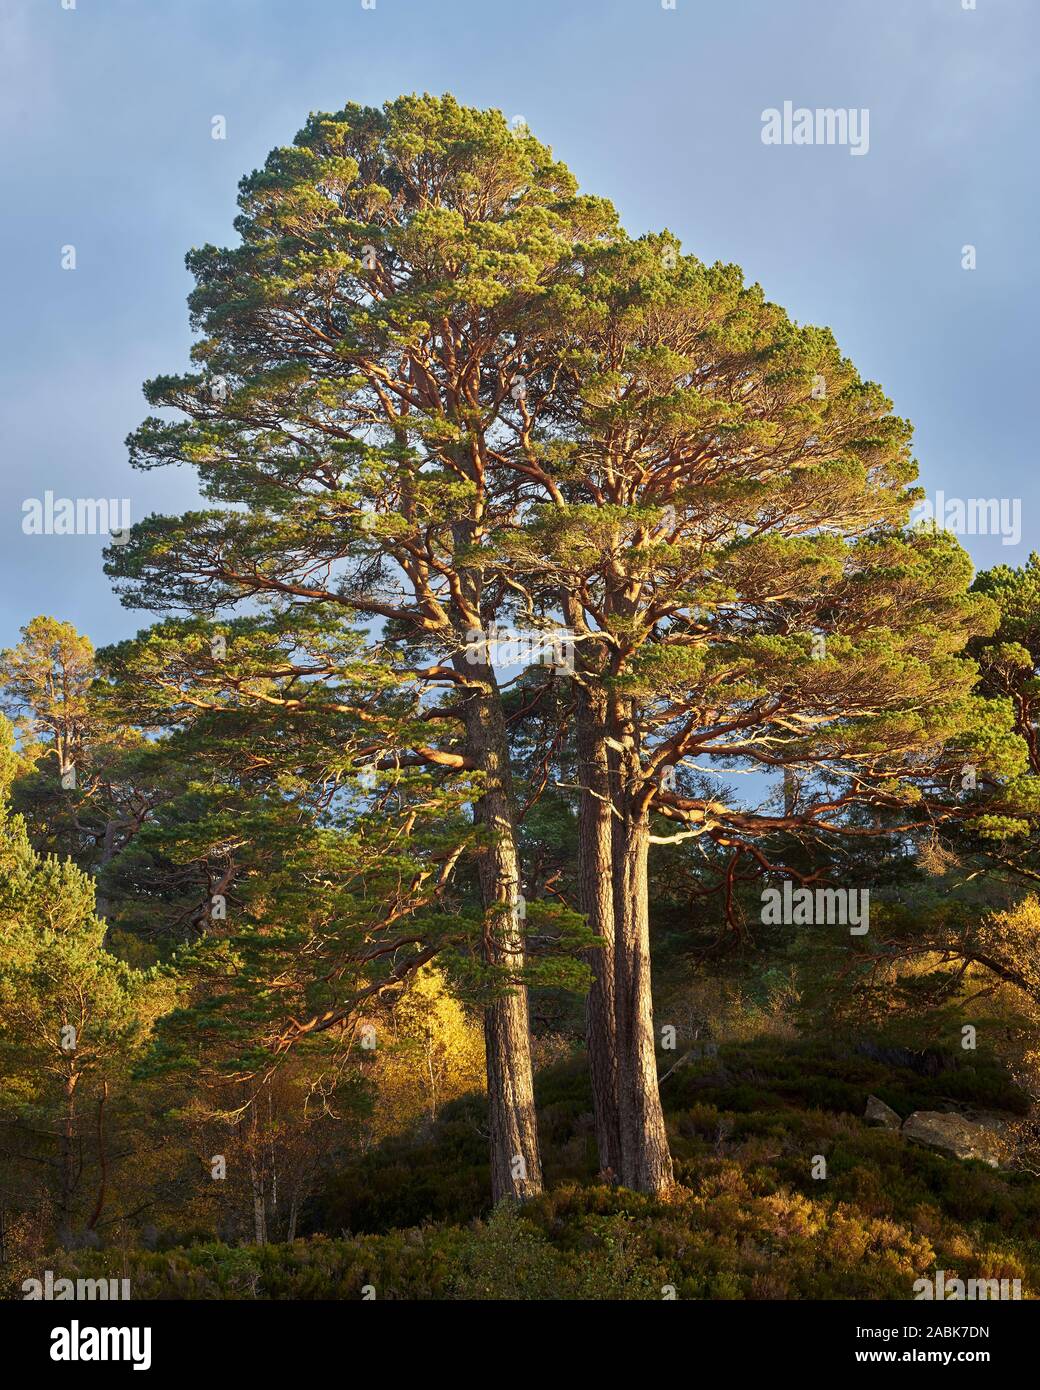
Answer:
[(564, 827)]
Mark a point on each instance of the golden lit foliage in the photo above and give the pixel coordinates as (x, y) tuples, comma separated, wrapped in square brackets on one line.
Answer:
[(430, 1051)]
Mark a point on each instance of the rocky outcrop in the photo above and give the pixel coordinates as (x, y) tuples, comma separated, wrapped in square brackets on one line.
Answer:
[(955, 1135), (880, 1115)]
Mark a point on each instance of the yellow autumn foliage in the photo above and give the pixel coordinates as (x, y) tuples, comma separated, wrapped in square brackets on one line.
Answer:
[(431, 1050)]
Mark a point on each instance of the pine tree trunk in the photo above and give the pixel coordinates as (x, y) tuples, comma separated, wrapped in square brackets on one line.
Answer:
[(595, 870), (516, 1170), (256, 1183), (68, 1154), (646, 1163)]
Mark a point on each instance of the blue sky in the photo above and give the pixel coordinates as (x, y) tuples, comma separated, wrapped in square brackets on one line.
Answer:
[(106, 114)]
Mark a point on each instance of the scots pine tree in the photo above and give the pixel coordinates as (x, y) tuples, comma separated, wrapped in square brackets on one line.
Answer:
[(724, 532), (398, 275)]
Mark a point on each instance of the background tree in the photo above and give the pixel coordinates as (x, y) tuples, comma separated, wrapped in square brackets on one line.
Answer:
[(72, 1020), (79, 787)]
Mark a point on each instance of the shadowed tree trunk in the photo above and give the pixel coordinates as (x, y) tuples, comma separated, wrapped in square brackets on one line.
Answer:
[(256, 1182), (646, 1163), (69, 1174), (102, 1193), (516, 1169), (595, 865)]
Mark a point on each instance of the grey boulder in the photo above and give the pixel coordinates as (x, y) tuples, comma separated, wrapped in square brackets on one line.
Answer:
[(953, 1134), (880, 1115)]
